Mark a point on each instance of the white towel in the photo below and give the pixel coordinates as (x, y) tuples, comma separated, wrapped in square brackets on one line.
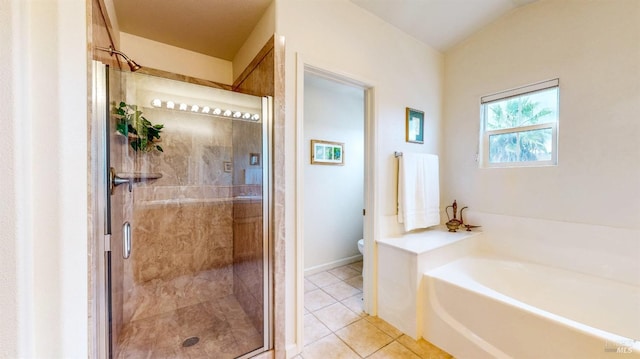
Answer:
[(418, 191)]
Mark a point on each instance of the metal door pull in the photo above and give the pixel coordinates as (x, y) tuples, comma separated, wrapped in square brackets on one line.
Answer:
[(116, 180), (126, 240)]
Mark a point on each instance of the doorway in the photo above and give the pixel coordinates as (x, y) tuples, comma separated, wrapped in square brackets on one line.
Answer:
[(333, 174), (335, 201), (187, 219)]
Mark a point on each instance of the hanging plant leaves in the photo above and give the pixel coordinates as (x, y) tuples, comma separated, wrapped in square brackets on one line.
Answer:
[(141, 133)]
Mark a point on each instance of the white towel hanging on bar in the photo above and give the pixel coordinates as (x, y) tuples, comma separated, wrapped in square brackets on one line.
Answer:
[(418, 191)]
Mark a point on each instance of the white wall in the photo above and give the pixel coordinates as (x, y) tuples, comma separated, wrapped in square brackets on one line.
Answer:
[(165, 57), (594, 48), (340, 37), (44, 246), (262, 32), (333, 195), (8, 205)]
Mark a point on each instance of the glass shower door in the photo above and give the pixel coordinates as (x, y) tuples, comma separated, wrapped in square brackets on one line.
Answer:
[(195, 282), (118, 162)]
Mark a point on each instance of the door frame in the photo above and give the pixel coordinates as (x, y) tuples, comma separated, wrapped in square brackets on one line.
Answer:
[(100, 179), (304, 66)]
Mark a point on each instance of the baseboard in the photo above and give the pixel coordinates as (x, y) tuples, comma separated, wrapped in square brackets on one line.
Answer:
[(331, 265)]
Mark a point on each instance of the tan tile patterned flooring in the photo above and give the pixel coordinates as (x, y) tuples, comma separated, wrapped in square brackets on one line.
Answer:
[(336, 327)]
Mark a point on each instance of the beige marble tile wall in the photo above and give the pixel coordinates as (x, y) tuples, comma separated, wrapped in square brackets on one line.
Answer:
[(258, 78), (183, 226), (248, 263)]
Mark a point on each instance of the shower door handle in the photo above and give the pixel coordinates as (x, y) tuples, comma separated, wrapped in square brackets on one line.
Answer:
[(126, 240), (115, 180)]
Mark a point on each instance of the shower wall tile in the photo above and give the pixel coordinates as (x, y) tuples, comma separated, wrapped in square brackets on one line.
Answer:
[(217, 191), (177, 237), (195, 148), (161, 296), (241, 190), (166, 194), (279, 199), (183, 222), (260, 80), (248, 261)]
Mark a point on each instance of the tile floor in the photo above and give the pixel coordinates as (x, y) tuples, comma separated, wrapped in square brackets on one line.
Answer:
[(224, 330), (336, 327)]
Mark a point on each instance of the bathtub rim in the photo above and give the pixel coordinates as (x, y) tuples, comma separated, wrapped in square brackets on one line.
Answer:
[(431, 276)]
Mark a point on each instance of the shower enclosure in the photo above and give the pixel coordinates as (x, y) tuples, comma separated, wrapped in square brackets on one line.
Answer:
[(187, 218)]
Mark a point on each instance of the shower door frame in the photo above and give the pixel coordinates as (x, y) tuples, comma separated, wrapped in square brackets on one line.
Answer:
[(100, 148)]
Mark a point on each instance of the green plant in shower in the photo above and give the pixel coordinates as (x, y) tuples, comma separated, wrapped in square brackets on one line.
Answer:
[(142, 134)]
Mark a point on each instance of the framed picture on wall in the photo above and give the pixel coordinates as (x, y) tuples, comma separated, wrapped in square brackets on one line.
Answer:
[(327, 153), (415, 125)]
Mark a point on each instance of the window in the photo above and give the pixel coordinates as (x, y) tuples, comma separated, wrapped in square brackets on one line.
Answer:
[(519, 127)]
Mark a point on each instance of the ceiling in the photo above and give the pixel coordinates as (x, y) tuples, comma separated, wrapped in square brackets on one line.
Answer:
[(439, 23), (218, 28)]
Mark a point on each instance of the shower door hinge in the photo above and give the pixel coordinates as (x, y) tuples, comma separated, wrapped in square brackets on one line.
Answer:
[(107, 243)]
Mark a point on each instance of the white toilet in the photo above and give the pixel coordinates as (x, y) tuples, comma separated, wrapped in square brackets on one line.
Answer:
[(361, 246)]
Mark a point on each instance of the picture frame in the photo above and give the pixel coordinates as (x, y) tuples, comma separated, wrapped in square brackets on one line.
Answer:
[(228, 166), (254, 159), (327, 153), (415, 125)]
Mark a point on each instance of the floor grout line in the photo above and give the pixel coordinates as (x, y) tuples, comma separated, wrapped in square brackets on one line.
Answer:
[(361, 316)]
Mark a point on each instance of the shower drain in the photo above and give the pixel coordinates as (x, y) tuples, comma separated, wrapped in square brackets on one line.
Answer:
[(190, 342)]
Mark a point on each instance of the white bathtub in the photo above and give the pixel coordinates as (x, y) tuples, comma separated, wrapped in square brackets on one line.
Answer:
[(483, 307)]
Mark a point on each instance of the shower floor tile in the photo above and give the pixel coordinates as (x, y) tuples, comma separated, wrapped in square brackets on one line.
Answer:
[(223, 329)]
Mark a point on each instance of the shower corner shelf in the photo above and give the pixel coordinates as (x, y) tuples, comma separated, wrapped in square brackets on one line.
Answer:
[(140, 176)]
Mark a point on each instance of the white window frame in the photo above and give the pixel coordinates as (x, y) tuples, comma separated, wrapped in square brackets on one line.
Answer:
[(485, 101)]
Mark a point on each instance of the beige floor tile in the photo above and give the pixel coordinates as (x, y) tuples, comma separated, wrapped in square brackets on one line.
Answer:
[(355, 303), (394, 350), (336, 316), (314, 329), (340, 329), (329, 347), (309, 286), (423, 348), (357, 266), (384, 326), (363, 337), (355, 282), (323, 279), (344, 272), (317, 299), (341, 290)]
